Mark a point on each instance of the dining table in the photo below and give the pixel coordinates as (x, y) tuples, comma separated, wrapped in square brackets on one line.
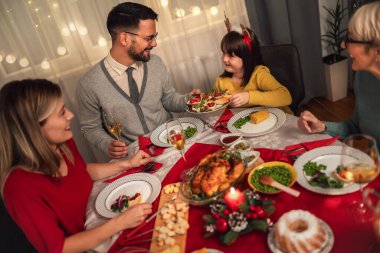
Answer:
[(349, 233)]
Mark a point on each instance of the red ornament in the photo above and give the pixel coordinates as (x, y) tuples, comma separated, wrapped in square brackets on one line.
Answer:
[(221, 225)]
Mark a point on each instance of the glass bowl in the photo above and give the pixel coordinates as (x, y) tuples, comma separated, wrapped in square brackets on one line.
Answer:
[(196, 195)]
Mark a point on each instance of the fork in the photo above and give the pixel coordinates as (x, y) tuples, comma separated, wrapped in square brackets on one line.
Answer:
[(208, 124), (147, 168)]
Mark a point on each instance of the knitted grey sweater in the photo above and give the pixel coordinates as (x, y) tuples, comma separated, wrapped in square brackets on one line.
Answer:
[(98, 95)]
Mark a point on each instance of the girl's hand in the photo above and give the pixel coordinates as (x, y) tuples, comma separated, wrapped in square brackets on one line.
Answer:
[(308, 123), (239, 99), (133, 216)]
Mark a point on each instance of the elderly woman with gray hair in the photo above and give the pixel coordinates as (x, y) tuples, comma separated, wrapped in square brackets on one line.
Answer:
[(363, 45)]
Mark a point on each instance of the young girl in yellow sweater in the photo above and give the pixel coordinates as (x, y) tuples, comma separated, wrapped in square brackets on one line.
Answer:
[(246, 77)]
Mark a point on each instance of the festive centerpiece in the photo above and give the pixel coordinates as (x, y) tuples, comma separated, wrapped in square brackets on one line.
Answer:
[(238, 213)]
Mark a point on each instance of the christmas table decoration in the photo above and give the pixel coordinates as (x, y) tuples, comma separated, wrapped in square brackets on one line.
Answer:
[(233, 215)]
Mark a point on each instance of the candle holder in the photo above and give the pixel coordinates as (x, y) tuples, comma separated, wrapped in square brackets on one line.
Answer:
[(238, 213)]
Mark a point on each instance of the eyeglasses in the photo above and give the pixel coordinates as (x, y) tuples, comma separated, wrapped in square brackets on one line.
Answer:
[(347, 40), (148, 39)]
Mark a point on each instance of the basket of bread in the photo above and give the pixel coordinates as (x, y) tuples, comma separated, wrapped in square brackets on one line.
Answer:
[(213, 176)]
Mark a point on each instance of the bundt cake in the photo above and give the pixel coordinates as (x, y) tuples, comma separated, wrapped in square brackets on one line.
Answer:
[(299, 231)]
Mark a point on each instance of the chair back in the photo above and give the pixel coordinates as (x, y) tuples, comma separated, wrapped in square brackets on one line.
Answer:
[(284, 64)]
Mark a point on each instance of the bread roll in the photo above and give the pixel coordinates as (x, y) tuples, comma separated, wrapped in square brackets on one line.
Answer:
[(259, 116), (221, 101)]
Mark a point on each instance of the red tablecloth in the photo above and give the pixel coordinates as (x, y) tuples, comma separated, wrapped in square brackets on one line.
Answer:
[(350, 235)]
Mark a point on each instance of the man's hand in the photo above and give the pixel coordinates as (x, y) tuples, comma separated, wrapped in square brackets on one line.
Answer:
[(117, 149), (195, 91)]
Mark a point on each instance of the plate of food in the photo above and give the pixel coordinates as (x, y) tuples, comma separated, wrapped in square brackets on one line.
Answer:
[(256, 121), (284, 173), (317, 171), (207, 102), (127, 191), (300, 229), (212, 177), (191, 127)]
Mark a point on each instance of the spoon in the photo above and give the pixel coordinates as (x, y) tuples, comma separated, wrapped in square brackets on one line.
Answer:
[(265, 179)]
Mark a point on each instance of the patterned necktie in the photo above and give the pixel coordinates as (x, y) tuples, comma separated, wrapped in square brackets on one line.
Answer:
[(133, 90)]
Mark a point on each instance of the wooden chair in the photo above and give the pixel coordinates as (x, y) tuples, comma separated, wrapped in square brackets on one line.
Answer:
[(283, 62)]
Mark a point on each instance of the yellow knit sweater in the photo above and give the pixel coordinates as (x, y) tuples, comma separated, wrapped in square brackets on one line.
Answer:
[(263, 89)]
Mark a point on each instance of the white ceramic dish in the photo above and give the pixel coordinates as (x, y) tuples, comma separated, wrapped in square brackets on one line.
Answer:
[(329, 156), (275, 120), (230, 135), (241, 144), (159, 136), (326, 249), (146, 184)]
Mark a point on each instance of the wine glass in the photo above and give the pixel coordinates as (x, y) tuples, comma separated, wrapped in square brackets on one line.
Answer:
[(372, 198), (176, 136), (113, 125), (359, 163)]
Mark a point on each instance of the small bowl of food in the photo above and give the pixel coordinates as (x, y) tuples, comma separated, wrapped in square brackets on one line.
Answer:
[(243, 145), (230, 139), (283, 173), (212, 177)]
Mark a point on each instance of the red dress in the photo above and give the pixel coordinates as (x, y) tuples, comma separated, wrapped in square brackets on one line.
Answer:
[(47, 209)]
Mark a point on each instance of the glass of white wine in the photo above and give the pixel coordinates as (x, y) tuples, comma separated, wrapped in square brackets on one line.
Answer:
[(113, 125), (176, 136), (359, 163)]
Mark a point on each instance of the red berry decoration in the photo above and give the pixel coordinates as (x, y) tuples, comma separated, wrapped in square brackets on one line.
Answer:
[(221, 225), (226, 212), (248, 215), (255, 215), (216, 215), (252, 208), (262, 214)]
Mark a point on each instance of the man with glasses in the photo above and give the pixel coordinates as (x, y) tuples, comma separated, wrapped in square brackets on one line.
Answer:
[(130, 84)]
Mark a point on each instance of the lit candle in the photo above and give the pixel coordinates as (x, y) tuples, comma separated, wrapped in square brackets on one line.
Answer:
[(234, 198)]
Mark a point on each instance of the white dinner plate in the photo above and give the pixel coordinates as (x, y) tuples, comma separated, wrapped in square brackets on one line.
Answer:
[(276, 119), (326, 249), (209, 250), (331, 157), (159, 136), (148, 185)]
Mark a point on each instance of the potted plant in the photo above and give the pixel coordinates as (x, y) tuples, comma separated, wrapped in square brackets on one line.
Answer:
[(336, 68)]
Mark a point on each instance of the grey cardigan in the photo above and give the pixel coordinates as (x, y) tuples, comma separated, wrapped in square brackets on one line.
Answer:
[(98, 94)]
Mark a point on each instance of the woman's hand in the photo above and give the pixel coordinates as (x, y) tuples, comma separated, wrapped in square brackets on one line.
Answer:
[(117, 149), (308, 123), (133, 216), (140, 158), (239, 99)]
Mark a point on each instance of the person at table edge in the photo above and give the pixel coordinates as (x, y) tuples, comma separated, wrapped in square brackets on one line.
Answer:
[(363, 44), (106, 88), (45, 184)]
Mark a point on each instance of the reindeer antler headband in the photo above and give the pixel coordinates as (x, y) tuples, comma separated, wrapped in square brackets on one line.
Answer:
[(244, 32)]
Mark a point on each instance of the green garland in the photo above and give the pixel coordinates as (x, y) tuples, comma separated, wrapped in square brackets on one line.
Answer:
[(252, 216)]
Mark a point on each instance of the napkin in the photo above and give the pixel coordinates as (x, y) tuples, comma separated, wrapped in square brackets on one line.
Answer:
[(286, 155), (221, 124), (301, 148), (155, 167), (146, 145)]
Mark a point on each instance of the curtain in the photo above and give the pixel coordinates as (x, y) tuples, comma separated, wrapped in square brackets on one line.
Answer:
[(61, 39), (293, 22)]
